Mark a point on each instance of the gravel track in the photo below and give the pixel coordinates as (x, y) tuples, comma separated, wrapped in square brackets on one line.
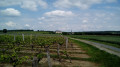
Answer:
[(109, 49)]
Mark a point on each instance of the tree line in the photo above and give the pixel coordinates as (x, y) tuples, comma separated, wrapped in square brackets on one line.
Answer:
[(93, 33)]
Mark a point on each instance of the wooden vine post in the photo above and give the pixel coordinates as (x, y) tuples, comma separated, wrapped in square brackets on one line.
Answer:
[(66, 42), (35, 62), (65, 52), (48, 56), (32, 46), (23, 36), (58, 52)]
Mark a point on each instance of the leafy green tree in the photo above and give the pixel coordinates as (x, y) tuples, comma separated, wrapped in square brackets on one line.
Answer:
[(4, 30)]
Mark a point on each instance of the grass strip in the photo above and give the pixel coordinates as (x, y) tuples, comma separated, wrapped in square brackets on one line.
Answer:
[(106, 43), (100, 56), (111, 43)]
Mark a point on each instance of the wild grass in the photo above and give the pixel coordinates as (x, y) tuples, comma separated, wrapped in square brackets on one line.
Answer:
[(104, 39), (100, 56)]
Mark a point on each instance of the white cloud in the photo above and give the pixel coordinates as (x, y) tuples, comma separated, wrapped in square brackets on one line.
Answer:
[(42, 3), (40, 22), (41, 18), (82, 21), (26, 4), (82, 4), (11, 12), (31, 5), (63, 19), (85, 21), (27, 25), (100, 15), (11, 24), (9, 2), (59, 13)]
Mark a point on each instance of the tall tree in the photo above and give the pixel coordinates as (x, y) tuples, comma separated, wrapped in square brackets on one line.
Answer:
[(4, 30)]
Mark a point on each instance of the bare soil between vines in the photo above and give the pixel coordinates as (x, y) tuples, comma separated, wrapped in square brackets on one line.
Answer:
[(76, 51)]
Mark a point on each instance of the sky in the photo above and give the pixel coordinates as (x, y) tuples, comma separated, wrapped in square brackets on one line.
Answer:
[(64, 15)]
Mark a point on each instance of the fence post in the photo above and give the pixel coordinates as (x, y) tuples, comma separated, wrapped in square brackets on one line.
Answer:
[(23, 36), (48, 57), (58, 52), (35, 62), (66, 42)]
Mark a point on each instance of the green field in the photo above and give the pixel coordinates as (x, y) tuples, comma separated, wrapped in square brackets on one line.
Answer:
[(105, 39)]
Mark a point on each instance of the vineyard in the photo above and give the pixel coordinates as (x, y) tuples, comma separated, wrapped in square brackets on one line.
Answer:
[(59, 33), (50, 51), (13, 48), (35, 50)]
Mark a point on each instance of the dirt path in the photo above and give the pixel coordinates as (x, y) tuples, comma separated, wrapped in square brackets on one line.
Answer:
[(109, 49)]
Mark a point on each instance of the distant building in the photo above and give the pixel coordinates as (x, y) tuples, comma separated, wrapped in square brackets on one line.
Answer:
[(72, 32), (58, 31)]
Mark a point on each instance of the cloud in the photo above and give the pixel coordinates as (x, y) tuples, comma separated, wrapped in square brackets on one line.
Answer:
[(40, 22), (41, 18), (56, 20), (59, 13), (26, 4), (31, 5), (82, 21), (11, 12), (42, 3), (27, 25), (85, 21), (62, 19), (82, 4), (4, 3), (10, 24)]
